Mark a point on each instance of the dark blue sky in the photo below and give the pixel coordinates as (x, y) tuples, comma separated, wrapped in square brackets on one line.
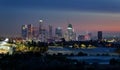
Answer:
[(81, 5), (80, 13)]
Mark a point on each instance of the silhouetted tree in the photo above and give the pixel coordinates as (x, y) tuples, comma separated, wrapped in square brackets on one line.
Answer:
[(113, 61)]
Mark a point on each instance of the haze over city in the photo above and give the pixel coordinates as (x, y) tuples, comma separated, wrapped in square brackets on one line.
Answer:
[(84, 15)]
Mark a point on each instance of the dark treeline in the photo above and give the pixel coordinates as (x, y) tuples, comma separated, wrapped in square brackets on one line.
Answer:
[(38, 61), (87, 43), (38, 44)]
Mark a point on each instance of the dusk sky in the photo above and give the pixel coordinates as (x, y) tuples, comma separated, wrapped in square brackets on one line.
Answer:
[(84, 15)]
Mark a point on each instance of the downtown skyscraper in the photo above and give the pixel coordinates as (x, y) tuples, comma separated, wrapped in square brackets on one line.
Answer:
[(27, 31), (99, 35), (70, 34), (24, 31)]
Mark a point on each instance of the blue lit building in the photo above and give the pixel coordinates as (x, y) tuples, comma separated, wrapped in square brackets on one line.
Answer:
[(58, 32), (24, 32)]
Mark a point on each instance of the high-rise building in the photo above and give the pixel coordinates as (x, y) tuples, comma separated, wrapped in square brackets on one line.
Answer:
[(24, 31), (70, 34), (70, 31), (44, 35), (90, 36), (42, 32), (50, 32), (81, 38), (58, 32), (35, 32), (99, 35), (30, 31), (40, 26)]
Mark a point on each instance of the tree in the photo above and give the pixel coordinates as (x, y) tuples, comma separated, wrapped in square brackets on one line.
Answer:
[(76, 45), (113, 61)]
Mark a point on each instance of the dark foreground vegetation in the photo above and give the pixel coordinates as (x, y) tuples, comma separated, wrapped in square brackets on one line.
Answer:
[(32, 56), (39, 61)]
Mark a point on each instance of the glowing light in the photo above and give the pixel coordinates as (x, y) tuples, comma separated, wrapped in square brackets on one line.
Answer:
[(40, 21), (69, 28), (59, 27), (83, 46), (24, 27), (113, 40), (6, 40)]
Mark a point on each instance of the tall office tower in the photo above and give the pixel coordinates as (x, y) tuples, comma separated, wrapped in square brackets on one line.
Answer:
[(30, 31), (81, 38), (44, 35), (70, 34), (35, 32), (90, 36), (58, 32), (70, 31), (40, 26), (24, 31), (99, 35), (74, 38), (42, 32), (50, 32)]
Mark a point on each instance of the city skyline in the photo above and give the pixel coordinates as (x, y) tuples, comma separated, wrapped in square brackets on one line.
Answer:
[(84, 15)]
